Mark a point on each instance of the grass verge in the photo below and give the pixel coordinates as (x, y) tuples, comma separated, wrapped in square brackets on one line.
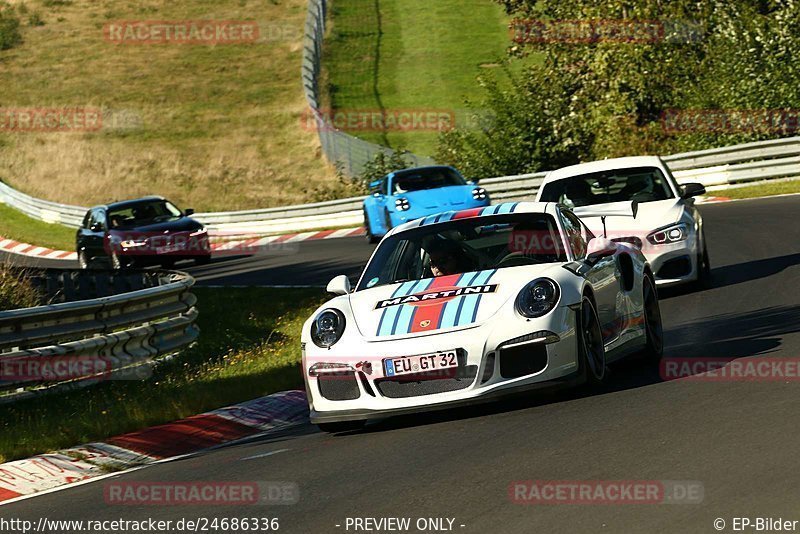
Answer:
[(19, 227), (411, 55), (764, 189), (244, 352), (210, 126), (15, 290)]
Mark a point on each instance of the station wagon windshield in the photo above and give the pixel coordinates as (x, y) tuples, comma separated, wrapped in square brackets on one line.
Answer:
[(143, 214)]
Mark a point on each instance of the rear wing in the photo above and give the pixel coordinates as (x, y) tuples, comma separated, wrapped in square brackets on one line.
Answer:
[(599, 211)]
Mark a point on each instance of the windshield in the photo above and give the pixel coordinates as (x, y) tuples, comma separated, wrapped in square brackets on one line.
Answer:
[(466, 245), (143, 214), (420, 179), (643, 184)]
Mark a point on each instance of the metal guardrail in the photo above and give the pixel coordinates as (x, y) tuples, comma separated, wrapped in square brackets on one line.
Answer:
[(109, 336), (349, 153), (724, 166)]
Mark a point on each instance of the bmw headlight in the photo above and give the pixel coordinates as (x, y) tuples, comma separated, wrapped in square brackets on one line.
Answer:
[(327, 328), (402, 204), (538, 298), (133, 243), (668, 234)]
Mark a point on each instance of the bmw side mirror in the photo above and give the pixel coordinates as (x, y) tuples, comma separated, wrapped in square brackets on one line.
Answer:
[(692, 190), (600, 248), (340, 285), (188, 211)]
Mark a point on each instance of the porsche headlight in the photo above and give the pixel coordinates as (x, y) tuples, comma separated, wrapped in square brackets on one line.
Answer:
[(327, 328), (538, 298), (668, 234), (402, 204)]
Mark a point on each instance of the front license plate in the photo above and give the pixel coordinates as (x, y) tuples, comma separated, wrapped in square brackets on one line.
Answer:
[(168, 249), (409, 365)]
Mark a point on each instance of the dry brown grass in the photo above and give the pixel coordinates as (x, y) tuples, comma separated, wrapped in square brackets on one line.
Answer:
[(211, 127)]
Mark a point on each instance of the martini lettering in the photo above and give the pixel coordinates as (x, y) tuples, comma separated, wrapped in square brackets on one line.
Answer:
[(436, 295)]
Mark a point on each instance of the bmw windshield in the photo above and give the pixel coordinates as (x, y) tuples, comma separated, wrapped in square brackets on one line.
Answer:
[(465, 245), (643, 184)]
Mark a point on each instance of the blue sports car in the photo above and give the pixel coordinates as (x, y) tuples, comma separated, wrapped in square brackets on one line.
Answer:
[(403, 196)]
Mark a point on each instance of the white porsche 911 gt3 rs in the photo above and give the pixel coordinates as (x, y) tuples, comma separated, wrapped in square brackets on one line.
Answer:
[(668, 228), (459, 306)]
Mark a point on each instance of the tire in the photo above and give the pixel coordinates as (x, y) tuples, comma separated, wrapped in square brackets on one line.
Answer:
[(591, 351), (653, 327), (371, 239), (115, 262), (703, 268), (341, 426), (83, 260)]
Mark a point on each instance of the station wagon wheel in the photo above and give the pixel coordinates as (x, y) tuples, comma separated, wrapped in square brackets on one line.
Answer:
[(116, 264), (83, 261), (591, 348), (654, 329)]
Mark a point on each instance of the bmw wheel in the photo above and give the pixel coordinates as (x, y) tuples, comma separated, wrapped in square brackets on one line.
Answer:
[(703, 267), (654, 330), (591, 351)]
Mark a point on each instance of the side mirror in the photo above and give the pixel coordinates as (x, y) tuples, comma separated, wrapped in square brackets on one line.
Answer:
[(375, 184), (188, 211), (96, 227), (339, 285), (692, 190), (599, 248)]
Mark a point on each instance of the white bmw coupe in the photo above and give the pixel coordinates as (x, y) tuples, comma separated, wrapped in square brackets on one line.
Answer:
[(460, 306), (668, 228)]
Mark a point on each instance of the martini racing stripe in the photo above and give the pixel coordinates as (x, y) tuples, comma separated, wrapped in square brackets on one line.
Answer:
[(403, 316), (427, 317), (389, 315), (464, 310)]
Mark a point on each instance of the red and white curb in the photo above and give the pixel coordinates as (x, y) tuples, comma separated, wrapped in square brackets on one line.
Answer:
[(25, 249), (220, 247), (44, 472)]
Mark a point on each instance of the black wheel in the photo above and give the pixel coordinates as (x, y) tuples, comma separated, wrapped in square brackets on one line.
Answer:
[(341, 426), (654, 350), (83, 259), (115, 262), (592, 352), (371, 239), (703, 267)]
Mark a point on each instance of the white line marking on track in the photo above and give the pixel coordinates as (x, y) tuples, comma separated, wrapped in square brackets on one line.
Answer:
[(265, 454)]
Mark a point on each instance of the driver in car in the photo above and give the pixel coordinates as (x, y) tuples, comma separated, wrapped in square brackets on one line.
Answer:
[(447, 257)]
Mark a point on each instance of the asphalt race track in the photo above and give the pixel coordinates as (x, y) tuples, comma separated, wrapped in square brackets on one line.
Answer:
[(739, 440)]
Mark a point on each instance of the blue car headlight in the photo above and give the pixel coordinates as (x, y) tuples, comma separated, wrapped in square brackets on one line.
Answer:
[(479, 193), (402, 204), (538, 298), (327, 328)]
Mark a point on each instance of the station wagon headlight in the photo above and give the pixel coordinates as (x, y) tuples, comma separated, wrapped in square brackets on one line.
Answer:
[(402, 204), (199, 232), (327, 328), (479, 193), (669, 234), (538, 298), (133, 243)]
